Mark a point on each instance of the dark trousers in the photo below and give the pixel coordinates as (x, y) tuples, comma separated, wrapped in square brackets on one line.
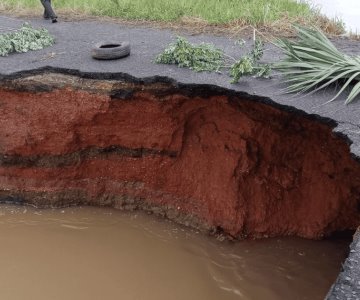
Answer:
[(48, 11)]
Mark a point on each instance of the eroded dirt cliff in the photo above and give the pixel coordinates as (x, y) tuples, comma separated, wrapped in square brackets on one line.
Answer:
[(207, 158)]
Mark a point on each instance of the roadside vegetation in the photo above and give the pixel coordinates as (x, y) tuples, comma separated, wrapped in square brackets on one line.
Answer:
[(205, 57), (230, 15)]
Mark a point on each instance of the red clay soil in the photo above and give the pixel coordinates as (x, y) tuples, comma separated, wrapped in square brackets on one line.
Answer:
[(232, 165)]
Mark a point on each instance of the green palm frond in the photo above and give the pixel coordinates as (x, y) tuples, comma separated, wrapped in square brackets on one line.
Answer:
[(312, 63)]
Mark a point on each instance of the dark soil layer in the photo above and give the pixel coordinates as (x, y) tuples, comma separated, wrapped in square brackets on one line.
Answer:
[(211, 159)]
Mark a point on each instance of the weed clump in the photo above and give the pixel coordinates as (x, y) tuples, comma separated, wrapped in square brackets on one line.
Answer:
[(202, 57), (206, 57), (25, 39), (249, 64)]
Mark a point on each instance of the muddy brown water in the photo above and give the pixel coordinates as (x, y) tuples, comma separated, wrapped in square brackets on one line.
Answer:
[(96, 253)]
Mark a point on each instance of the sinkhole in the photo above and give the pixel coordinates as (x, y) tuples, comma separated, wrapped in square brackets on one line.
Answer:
[(217, 161)]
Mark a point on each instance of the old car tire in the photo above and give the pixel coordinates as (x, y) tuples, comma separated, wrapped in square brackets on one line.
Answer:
[(110, 50)]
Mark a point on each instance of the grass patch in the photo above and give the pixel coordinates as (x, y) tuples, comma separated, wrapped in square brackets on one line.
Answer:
[(255, 13)]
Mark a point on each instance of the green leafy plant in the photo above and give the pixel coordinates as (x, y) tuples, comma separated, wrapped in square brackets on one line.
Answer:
[(202, 57), (25, 39), (206, 57), (249, 64), (312, 63)]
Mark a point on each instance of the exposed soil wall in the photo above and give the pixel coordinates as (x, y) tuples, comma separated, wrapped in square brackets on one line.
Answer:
[(218, 161)]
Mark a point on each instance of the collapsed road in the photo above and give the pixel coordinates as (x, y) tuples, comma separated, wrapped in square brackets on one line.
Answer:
[(294, 155)]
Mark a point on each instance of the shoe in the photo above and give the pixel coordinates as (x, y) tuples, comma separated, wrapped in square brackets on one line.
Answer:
[(54, 20)]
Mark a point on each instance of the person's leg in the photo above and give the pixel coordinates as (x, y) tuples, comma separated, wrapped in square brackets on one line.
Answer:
[(46, 15), (48, 11)]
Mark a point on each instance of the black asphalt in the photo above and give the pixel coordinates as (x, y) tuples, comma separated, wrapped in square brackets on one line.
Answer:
[(347, 285), (72, 51)]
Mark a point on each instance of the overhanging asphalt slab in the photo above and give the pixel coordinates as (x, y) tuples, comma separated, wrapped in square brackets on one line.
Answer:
[(72, 51)]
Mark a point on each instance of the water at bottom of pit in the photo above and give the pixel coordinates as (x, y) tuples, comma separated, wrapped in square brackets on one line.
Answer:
[(96, 253)]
